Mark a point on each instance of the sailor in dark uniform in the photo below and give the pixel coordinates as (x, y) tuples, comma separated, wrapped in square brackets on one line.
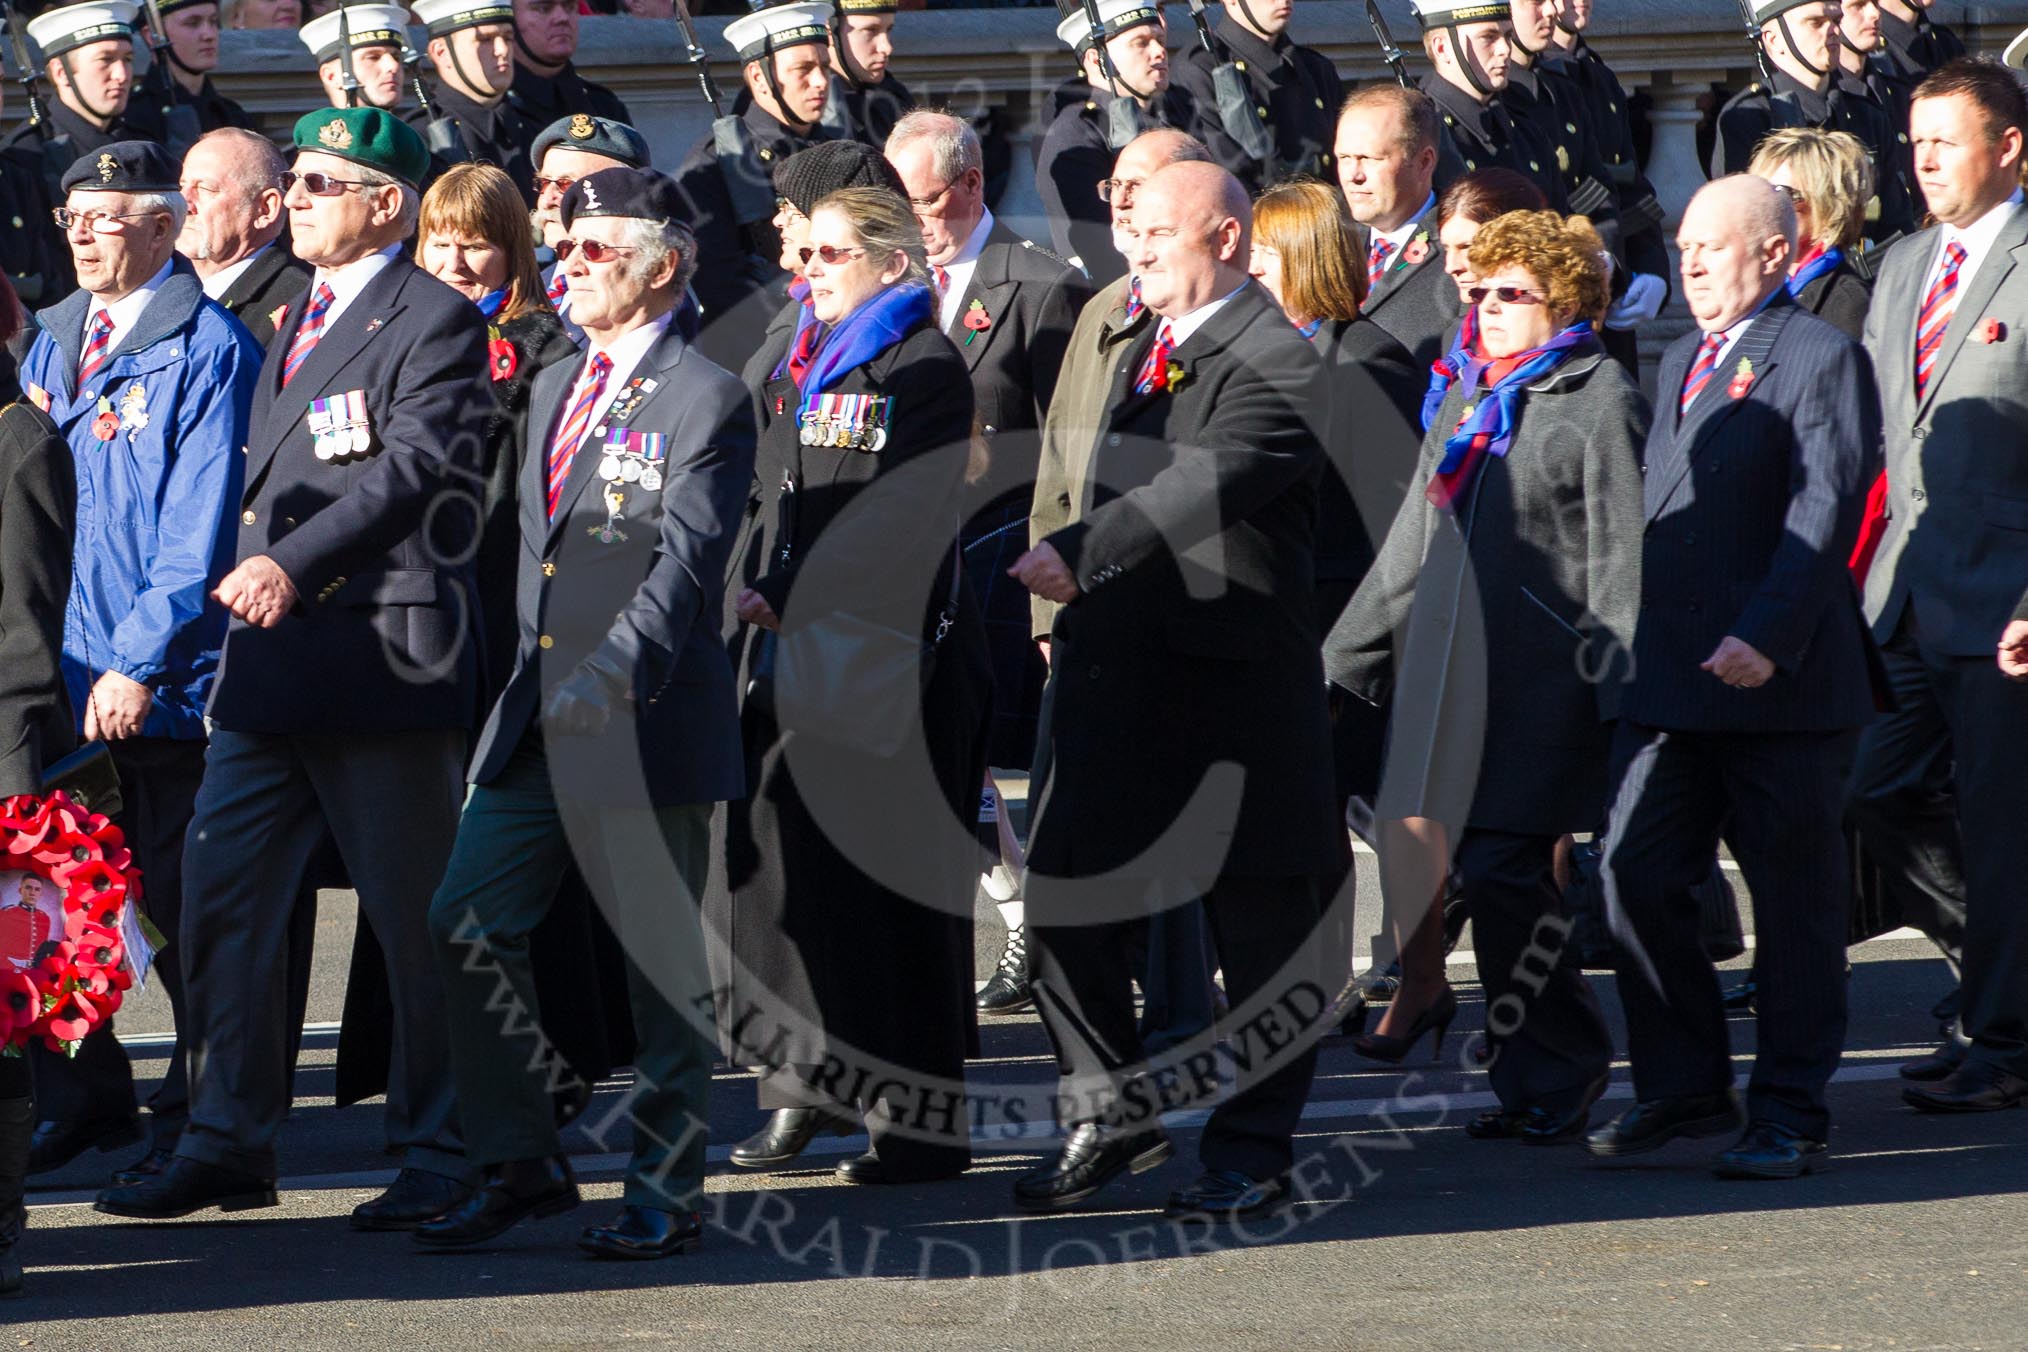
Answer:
[(865, 99), (378, 35), (1865, 74), (546, 85), (191, 29), (1280, 113), (1127, 94), (1470, 52), (472, 48), (1914, 45), (1798, 37), (731, 197), (1553, 107)]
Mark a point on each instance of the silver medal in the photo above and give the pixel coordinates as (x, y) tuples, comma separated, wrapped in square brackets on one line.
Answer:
[(609, 469), (651, 479), (630, 469)]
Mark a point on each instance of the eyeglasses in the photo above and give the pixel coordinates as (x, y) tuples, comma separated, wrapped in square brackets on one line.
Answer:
[(1506, 295), (594, 251), (321, 185), (829, 255), (1795, 195), (1118, 190), (927, 203), (543, 185), (98, 222)]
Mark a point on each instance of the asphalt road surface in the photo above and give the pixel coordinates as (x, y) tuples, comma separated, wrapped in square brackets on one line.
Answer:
[(1412, 1236)]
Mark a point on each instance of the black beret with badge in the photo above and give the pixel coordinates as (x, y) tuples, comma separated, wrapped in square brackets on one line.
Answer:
[(123, 166), (639, 194), (594, 136)]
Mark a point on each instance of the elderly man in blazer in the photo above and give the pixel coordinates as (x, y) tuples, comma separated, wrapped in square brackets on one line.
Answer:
[(348, 680), (1387, 162), (1946, 331), (614, 736), (233, 235), (1751, 678), (1166, 770)]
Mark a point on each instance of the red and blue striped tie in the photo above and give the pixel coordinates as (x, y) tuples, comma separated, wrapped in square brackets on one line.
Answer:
[(1155, 370), (591, 386), (558, 284), (1376, 262), (1939, 303), (96, 348), (1700, 371), (311, 329)]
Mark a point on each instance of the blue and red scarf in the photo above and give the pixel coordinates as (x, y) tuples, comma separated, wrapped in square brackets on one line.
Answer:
[(1488, 425), (809, 332), (864, 334), (1814, 265)]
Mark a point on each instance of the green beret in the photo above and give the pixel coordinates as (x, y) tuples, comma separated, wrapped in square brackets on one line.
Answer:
[(368, 136)]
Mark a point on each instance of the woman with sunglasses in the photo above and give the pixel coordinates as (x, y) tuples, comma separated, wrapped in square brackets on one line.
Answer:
[(38, 509), (851, 880), (1828, 178), (1512, 571)]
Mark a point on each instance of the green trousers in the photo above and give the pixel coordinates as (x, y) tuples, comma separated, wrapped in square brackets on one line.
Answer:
[(646, 868)]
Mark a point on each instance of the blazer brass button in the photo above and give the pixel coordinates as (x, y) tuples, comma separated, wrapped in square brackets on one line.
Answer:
[(545, 642), (246, 518), (548, 568), (289, 521)]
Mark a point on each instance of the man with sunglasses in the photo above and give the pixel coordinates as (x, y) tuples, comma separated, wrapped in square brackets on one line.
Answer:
[(566, 151), (150, 382), (865, 100), (615, 736), (729, 199), (1800, 38), (1128, 93), (471, 47), (349, 676)]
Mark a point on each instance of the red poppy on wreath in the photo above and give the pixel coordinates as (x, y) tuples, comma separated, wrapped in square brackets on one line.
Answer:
[(1416, 250), (58, 984), (1992, 331), (976, 321), (500, 354)]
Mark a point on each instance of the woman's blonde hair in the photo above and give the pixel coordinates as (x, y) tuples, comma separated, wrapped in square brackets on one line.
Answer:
[(479, 201), (1832, 171), (1563, 254), (1309, 226), (885, 224)]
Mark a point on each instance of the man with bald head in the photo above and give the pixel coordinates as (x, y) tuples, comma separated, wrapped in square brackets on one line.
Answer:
[(1750, 684), (1194, 549)]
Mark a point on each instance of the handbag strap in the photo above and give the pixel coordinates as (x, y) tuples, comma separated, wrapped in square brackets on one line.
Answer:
[(949, 615)]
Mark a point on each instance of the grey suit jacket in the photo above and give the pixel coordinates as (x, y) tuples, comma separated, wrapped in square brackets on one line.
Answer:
[(1956, 544)]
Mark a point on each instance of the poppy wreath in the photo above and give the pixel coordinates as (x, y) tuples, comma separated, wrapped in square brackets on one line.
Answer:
[(79, 978)]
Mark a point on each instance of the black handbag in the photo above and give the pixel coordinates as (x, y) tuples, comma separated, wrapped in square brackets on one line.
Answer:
[(89, 777), (1591, 941), (856, 682)]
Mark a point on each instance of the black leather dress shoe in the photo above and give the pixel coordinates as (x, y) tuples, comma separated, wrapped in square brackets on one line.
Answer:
[(870, 1168), (1090, 1159), (1652, 1125), (415, 1196), (643, 1232), (56, 1144), (510, 1194), (788, 1133), (1938, 1065), (1009, 990), (1974, 1087), (1771, 1150), (186, 1186), (1225, 1195), (148, 1166)]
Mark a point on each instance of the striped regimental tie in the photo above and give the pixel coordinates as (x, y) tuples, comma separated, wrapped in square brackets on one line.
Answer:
[(97, 346), (1700, 371), (1939, 303), (311, 329), (591, 387)]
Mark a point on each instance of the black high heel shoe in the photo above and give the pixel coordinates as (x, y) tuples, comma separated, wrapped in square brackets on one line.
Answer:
[(1394, 1050)]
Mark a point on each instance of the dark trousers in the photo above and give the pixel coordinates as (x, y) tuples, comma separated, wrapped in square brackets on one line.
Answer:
[(1777, 797), (390, 801), (1263, 929), (646, 867), (1964, 709), (158, 792), (1550, 1037), (1903, 805)]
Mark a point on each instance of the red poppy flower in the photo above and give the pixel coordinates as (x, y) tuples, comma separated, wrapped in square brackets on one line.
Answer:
[(106, 426), (1992, 331), (1739, 386), (502, 357), (73, 1019), (1417, 250), (20, 1005)]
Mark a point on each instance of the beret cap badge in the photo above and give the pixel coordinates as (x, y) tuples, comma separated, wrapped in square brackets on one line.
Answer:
[(581, 128), (107, 166), (336, 135)]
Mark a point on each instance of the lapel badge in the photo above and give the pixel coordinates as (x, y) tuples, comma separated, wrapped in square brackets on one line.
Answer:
[(610, 531), (106, 423), (373, 325), (1416, 250), (134, 408), (1991, 331), (1742, 379), (976, 321)]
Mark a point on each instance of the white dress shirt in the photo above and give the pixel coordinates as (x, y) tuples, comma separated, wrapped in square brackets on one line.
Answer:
[(1976, 240), (625, 354), (220, 282), (960, 269), (1398, 238), (126, 311), (347, 282), (1182, 327)]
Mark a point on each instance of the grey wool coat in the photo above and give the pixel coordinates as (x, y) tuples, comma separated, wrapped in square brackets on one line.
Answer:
[(1503, 625)]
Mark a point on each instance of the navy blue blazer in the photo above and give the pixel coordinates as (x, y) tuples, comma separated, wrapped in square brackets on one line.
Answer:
[(635, 576), (1753, 501), (379, 543)]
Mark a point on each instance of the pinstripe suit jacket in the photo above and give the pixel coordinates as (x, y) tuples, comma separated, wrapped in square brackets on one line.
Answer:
[(1753, 499), (1956, 544)]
